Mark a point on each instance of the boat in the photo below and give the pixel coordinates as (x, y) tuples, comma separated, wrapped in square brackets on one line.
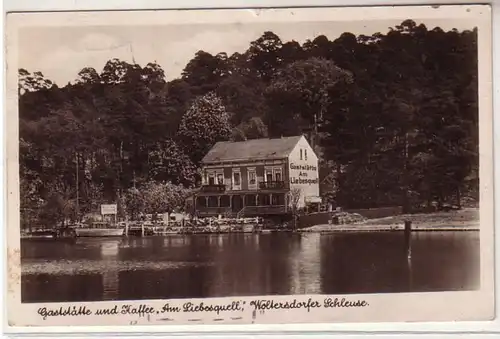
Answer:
[(64, 233), (99, 229), (39, 235)]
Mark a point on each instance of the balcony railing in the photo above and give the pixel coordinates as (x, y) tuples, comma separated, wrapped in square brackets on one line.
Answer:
[(251, 211), (213, 188), (207, 211), (266, 185)]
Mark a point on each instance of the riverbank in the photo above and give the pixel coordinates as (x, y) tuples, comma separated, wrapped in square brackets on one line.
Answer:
[(462, 220)]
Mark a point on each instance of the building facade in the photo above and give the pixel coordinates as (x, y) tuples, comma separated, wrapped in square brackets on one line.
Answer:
[(258, 177)]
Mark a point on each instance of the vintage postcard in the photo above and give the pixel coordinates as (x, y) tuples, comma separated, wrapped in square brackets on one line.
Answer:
[(313, 165)]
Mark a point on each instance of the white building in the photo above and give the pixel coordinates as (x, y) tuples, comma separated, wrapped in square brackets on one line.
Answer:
[(258, 177)]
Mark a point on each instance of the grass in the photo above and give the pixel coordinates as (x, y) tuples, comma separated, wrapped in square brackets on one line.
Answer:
[(451, 218), (465, 219)]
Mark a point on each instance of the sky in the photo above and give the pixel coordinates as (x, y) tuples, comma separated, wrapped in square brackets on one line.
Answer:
[(61, 52)]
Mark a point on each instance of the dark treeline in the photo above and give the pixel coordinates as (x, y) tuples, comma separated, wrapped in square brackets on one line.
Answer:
[(394, 118)]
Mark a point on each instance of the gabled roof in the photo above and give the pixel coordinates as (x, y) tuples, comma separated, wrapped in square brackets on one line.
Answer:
[(255, 149)]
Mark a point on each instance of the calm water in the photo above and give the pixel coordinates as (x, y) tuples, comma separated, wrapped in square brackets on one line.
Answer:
[(191, 266)]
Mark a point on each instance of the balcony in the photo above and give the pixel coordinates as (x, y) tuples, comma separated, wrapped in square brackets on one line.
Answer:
[(211, 211), (272, 185), (214, 188), (252, 211)]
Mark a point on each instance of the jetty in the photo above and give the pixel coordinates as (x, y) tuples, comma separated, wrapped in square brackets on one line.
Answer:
[(196, 226)]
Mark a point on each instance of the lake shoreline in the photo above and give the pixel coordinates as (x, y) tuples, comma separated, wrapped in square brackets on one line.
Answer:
[(465, 220), (453, 221), (387, 228)]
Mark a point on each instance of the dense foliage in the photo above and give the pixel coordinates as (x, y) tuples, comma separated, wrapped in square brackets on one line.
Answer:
[(395, 119)]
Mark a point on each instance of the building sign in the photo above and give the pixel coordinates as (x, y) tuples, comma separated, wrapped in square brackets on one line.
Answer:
[(302, 181), (108, 209), (304, 173), (303, 167)]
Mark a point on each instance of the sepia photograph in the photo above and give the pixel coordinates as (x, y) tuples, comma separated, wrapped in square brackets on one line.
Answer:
[(286, 154)]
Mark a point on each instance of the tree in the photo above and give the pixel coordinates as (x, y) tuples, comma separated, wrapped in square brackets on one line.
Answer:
[(293, 203), (134, 202), (88, 75), (242, 95), (303, 88), (28, 82), (115, 71), (264, 53), (91, 195), (152, 73), (204, 72), (169, 163), (254, 128), (59, 207), (205, 123), (163, 197), (29, 185), (407, 122)]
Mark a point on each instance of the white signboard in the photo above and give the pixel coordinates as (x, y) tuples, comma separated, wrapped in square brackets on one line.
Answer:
[(313, 199), (108, 209)]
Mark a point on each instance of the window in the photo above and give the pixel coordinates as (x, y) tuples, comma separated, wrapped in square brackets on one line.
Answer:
[(213, 201), (301, 154), (220, 179), (211, 179), (269, 176), (281, 199), (277, 174), (275, 200), (252, 177), (225, 201), (201, 202), (264, 200), (305, 154), (236, 179), (250, 200)]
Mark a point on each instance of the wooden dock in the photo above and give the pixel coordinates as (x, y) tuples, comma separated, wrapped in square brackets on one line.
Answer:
[(202, 226)]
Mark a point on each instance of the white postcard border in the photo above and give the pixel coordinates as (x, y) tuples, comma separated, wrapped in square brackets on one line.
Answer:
[(419, 299)]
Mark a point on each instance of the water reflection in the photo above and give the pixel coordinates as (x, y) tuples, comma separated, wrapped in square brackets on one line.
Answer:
[(377, 263), (110, 276), (304, 262), (190, 266)]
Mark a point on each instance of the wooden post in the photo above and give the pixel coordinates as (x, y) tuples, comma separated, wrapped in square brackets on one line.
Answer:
[(126, 225), (142, 228), (407, 235), (410, 274), (77, 207)]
